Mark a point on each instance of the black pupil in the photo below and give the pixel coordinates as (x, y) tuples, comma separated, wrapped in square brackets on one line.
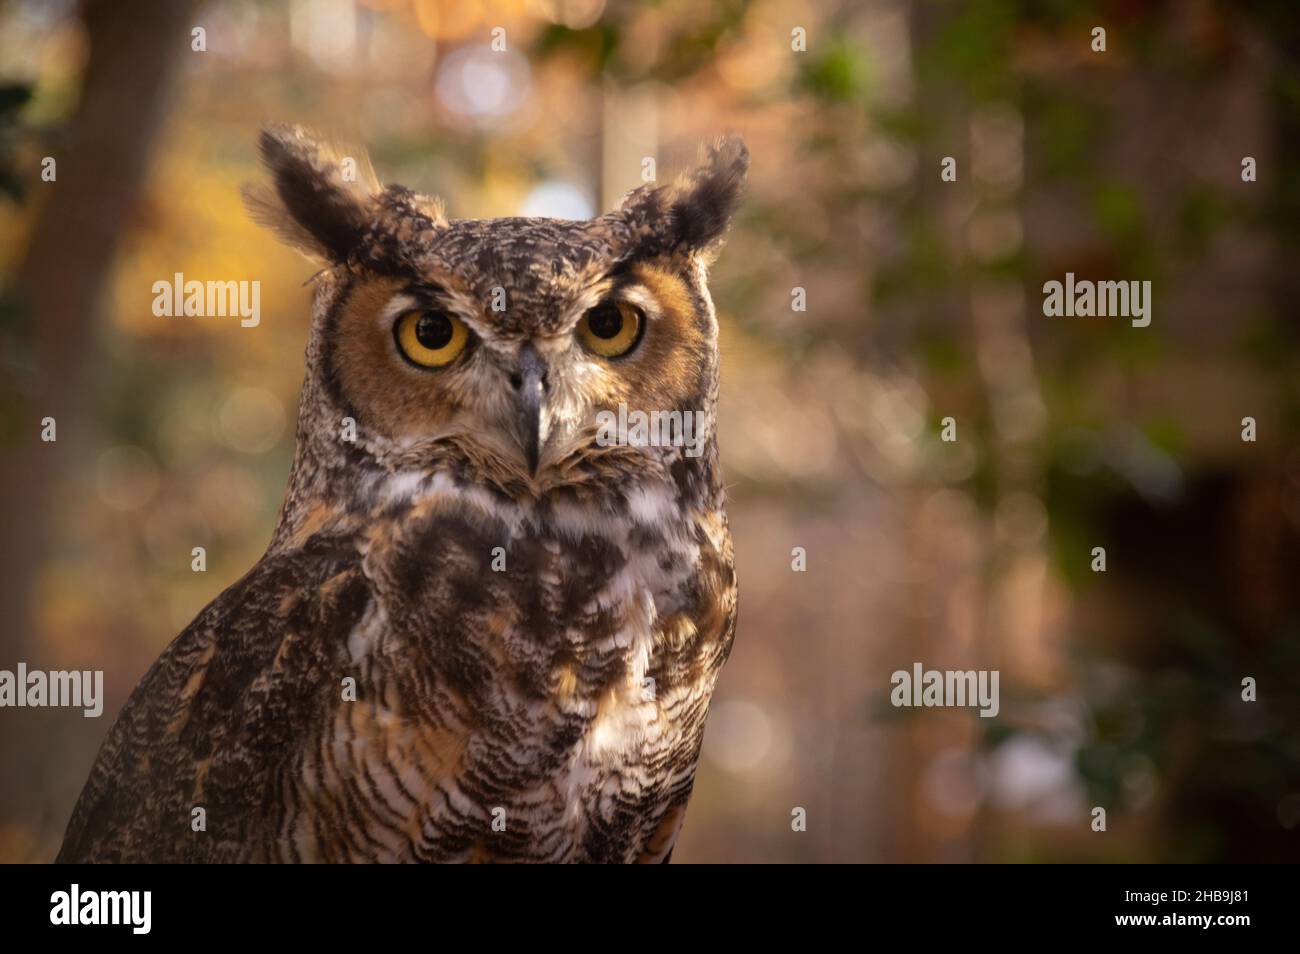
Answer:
[(606, 321), (434, 330)]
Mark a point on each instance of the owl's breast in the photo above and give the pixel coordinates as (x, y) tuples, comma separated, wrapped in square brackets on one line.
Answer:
[(539, 681)]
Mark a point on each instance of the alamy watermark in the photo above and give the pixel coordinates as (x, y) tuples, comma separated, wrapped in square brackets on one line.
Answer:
[(195, 299), (77, 689), (1088, 299), (75, 907), (651, 429), (946, 687)]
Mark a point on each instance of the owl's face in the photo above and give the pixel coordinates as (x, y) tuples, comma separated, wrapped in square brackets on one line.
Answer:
[(505, 343), (516, 333)]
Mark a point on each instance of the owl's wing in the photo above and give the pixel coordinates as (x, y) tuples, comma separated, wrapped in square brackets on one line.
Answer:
[(702, 635), (222, 711)]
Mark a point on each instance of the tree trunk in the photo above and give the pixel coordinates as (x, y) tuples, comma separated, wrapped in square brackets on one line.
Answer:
[(60, 284)]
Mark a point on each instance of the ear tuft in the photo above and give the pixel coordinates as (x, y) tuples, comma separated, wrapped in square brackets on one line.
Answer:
[(704, 200), (318, 201), (693, 213)]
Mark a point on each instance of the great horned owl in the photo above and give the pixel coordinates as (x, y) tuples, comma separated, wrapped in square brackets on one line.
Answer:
[(480, 631)]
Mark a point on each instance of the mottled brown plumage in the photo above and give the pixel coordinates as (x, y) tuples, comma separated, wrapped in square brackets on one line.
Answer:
[(458, 647)]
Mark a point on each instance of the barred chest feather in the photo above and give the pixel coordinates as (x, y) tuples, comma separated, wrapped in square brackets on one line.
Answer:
[(532, 682)]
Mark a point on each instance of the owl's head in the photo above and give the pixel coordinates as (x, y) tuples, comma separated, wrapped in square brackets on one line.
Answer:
[(505, 347)]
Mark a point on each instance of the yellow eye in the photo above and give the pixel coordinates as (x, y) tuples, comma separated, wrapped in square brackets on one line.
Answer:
[(430, 339), (611, 329)]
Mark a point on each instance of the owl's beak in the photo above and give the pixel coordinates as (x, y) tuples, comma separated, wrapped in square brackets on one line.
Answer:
[(530, 383)]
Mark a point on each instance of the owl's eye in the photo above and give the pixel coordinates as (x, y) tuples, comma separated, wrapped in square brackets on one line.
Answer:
[(611, 329), (430, 339)]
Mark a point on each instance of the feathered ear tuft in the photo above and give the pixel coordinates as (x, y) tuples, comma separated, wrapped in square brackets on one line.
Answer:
[(318, 201), (705, 199), (693, 213)]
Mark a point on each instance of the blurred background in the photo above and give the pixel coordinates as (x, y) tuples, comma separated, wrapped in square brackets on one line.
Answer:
[(1120, 689)]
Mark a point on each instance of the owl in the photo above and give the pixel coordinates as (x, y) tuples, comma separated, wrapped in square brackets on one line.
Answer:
[(489, 623)]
